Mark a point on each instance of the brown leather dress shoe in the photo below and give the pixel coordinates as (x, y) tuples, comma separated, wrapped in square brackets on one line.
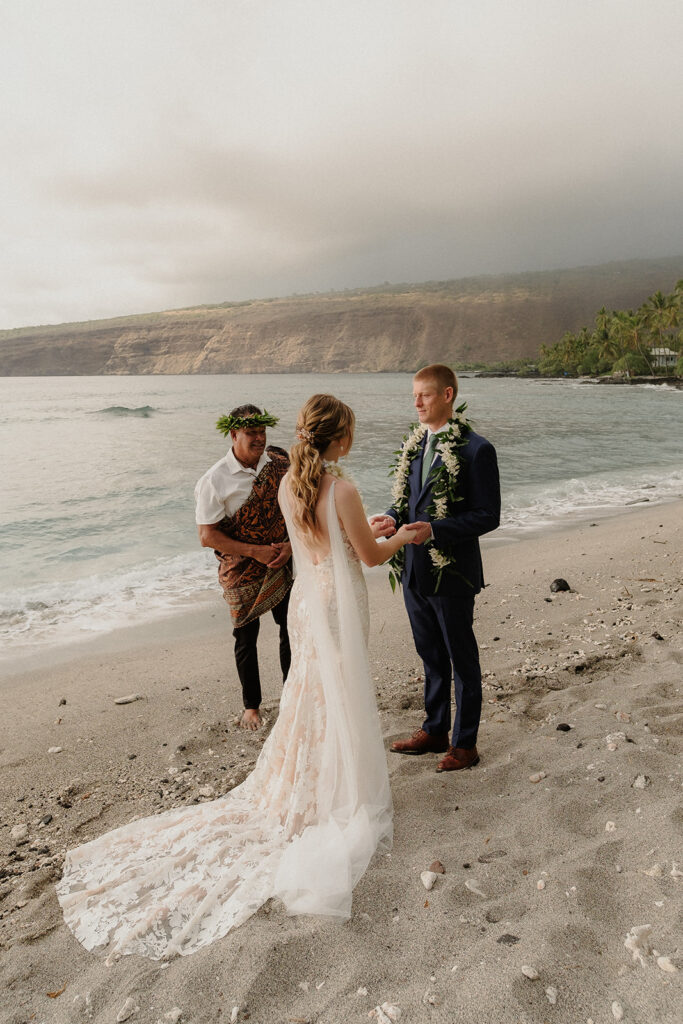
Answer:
[(458, 758), (421, 742)]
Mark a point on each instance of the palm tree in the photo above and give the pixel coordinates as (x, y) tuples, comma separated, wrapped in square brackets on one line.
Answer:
[(630, 331), (660, 313)]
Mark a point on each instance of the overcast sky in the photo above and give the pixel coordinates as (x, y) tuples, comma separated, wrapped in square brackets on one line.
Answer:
[(161, 153)]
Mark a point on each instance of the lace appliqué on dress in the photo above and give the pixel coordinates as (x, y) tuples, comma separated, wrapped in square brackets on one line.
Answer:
[(302, 827)]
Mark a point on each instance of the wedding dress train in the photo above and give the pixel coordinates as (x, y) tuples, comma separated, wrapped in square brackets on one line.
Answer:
[(302, 827)]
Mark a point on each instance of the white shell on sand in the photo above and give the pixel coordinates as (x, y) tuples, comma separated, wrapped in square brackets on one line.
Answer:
[(537, 776), (637, 942), (473, 887), (617, 1010), (362, 991), (551, 994), (234, 1013), (641, 781), (530, 972), (129, 699), (664, 964), (387, 1013), (428, 878), (19, 832), (174, 1015), (127, 1010), (54, 750), (610, 826), (540, 885)]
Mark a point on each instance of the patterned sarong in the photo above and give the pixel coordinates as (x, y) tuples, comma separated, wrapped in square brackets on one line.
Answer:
[(249, 587)]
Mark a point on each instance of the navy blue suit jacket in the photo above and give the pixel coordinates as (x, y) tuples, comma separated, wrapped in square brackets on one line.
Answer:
[(458, 534)]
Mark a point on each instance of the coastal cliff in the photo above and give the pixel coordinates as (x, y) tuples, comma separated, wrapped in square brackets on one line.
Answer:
[(388, 328)]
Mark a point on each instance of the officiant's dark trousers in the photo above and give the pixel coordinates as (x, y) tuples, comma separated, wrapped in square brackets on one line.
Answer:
[(246, 654), (444, 639)]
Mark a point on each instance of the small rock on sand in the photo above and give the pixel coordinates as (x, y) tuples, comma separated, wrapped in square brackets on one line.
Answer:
[(559, 585), (174, 1015), (641, 781), (551, 994), (537, 777), (127, 1010), (19, 832), (428, 878), (617, 1010), (530, 972), (437, 867), (54, 750), (637, 942), (129, 699), (387, 1013)]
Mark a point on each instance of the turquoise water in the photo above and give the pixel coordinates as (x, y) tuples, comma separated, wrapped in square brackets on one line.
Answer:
[(97, 520)]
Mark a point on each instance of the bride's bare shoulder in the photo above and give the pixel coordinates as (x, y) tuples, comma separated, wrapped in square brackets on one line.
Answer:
[(346, 493)]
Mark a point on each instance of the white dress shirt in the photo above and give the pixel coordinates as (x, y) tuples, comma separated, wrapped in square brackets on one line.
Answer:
[(224, 488), (430, 434)]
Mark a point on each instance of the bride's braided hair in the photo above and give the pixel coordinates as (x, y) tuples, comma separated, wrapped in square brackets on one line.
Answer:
[(322, 419)]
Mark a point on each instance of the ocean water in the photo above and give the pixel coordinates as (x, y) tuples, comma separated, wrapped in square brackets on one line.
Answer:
[(97, 514)]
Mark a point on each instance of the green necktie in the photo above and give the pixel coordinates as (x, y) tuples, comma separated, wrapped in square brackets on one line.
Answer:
[(428, 457)]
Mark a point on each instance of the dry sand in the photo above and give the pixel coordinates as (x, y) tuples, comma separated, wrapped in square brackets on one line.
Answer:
[(550, 874)]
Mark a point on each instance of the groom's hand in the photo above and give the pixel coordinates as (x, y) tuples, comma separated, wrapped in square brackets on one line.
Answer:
[(423, 532), (382, 526)]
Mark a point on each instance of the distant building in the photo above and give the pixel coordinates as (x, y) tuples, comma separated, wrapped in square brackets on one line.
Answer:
[(663, 358)]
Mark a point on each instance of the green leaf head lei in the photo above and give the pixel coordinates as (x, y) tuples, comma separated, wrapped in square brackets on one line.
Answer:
[(256, 419)]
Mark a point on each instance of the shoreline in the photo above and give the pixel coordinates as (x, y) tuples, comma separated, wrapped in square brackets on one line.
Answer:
[(198, 615)]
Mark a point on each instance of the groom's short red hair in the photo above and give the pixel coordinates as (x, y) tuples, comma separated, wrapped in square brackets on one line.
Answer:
[(442, 376)]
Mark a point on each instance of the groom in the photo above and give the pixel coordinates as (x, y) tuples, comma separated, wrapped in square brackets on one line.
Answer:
[(443, 568)]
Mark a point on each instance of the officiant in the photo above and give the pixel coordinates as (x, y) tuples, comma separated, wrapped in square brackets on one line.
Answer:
[(238, 515)]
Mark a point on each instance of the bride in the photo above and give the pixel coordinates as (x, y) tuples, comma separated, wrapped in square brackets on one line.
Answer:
[(306, 822)]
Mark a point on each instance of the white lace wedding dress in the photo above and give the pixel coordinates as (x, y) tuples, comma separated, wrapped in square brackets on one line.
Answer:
[(302, 828)]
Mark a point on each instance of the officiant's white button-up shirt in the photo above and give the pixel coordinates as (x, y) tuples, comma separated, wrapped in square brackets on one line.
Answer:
[(224, 488)]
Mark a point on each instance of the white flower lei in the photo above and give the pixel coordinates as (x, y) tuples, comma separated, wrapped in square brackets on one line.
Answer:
[(334, 469), (444, 481)]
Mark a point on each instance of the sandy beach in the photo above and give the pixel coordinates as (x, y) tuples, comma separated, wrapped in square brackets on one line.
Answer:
[(565, 838)]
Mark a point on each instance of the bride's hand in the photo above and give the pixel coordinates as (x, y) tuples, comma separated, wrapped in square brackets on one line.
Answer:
[(406, 535)]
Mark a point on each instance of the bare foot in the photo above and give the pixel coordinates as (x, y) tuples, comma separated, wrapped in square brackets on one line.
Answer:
[(251, 719)]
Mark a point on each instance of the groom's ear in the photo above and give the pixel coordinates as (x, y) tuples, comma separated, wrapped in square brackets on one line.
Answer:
[(449, 394)]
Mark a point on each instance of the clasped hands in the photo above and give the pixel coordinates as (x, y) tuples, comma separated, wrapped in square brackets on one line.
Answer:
[(272, 555), (385, 526)]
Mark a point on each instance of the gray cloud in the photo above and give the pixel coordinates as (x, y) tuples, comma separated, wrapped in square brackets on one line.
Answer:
[(165, 155)]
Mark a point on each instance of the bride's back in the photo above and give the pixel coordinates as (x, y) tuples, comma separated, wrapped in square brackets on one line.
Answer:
[(324, 433)]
